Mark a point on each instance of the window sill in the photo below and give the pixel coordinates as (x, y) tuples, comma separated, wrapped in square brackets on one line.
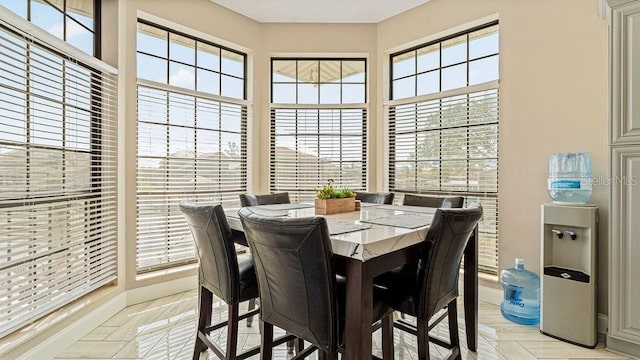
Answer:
[(54, 322), (489, 280), (166, 274)]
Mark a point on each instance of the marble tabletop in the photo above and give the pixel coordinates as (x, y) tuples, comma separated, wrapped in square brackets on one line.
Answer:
[(362, 244)]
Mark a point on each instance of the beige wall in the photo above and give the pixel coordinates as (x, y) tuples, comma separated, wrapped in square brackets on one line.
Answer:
[(553, 98), (553, 85)]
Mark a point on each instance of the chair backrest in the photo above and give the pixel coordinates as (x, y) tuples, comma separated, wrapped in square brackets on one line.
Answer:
[(266, 199), (375, 198), (216, 252), (445, 243), (448, 202), (296, 277)]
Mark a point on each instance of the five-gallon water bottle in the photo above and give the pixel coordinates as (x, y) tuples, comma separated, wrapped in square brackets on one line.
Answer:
[(521, 303), (570, 177)]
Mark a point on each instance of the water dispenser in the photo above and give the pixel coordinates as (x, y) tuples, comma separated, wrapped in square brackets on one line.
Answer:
[(568, 275)]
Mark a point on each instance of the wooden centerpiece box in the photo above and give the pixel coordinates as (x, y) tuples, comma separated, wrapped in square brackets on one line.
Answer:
[(335, 206), (331, 201)]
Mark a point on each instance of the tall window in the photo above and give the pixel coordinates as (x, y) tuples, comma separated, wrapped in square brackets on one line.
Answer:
[(74, 21), (318, 125), (443, 125), (192, 128), (57, 174)]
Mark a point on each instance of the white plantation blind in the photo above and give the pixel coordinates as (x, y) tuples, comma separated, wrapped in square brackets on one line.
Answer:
[(189, 147), (449, 145), (57, 176), (311, 145)]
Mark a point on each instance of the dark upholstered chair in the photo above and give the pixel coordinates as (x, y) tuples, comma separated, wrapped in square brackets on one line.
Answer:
[(430, 285), (267, 199), (221, 273), (448, 202), (299, 289), (375, 198)]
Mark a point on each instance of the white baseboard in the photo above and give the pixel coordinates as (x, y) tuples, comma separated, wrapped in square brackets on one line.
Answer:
[(494, 296), (490, 295), (166, 288), (603, 324), (623, 347), (76, 331)]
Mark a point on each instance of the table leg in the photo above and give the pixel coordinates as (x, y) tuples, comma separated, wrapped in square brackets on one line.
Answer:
[(359, 310), (471, 291)]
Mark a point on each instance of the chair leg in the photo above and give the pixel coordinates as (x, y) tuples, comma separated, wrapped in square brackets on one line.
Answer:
[(266, 348), (290, 346), (299, 346), (387, 337), (452, 310), (205, 304), (252, 305), (423, 339), (232, 332), (328, 356)]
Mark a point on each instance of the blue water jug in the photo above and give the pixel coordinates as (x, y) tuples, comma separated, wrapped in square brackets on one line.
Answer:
[(521, 303), (570, 177)]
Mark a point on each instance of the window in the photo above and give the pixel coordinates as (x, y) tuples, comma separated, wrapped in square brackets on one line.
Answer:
[(192, 128), (318, 125), (73, 21), (443, 125), (58, 197)]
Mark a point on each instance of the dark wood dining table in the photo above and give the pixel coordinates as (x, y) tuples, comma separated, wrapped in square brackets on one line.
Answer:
[(368, 248)]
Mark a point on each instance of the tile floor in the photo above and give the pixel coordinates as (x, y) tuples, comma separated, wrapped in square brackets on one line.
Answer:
[(165, 329)]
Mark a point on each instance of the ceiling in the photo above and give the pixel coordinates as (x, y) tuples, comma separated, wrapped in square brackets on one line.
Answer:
[(323, 11)]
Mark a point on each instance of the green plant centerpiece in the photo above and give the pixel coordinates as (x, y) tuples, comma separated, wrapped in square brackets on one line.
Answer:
[(330, 200)]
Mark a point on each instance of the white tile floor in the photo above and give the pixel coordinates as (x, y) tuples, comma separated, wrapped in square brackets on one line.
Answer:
[(165, 329)]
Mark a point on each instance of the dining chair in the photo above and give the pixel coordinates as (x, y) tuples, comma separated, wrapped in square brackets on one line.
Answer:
[(222, 273), (375, 198), (424, 288), (446, 202), (266, 199), (300, 292)]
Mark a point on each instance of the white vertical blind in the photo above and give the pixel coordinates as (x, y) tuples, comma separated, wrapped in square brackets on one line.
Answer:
[(57, 177)]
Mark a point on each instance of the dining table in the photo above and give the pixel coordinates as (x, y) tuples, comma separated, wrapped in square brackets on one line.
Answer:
[(369, 242)]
